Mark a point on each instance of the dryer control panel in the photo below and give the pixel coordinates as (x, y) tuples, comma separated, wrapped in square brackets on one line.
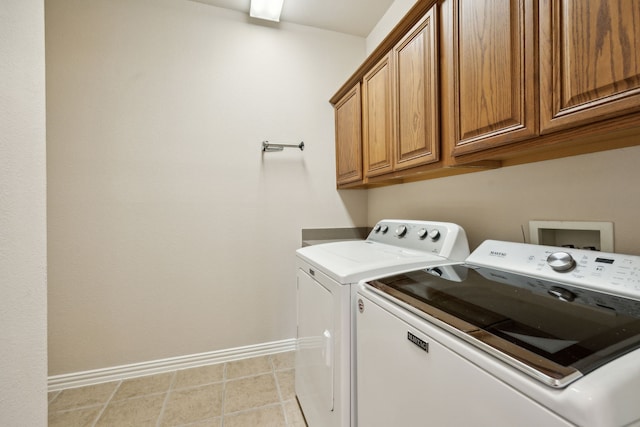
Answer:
[(439, 238)]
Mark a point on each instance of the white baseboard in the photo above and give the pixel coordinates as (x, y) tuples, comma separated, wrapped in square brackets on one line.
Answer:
[(84, 378)]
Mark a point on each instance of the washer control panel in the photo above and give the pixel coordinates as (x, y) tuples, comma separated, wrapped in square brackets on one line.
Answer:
[(611, 273), (441, 238)]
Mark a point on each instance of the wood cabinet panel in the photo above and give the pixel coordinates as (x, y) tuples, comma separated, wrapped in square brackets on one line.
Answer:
[(416, 95), (466, 85), (349, 137), (589, 61), (493, 72), (377, 120)]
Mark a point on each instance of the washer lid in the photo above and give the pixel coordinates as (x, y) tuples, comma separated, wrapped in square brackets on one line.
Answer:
[(352, 261), (525, 322)]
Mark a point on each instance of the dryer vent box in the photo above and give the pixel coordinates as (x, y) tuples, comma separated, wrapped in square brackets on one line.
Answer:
[(577, 234)]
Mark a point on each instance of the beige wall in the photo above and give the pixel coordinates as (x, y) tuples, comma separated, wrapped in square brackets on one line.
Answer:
[(169, 232), (23, 256), (394, 14), (496, 204)]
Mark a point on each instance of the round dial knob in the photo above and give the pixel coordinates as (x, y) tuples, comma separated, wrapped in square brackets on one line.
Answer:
[(376, 228), (384, 229), (401, 231), (422, 233), (434, 234), (561, 261)]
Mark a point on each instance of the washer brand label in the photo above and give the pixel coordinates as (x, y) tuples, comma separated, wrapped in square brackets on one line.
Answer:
[(498, 254), (498, 276), (417, 341)]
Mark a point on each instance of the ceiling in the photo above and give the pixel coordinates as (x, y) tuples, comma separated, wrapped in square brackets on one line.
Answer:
[(357, 17)]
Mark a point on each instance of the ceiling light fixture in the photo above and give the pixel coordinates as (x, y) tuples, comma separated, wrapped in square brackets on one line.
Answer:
[(266, 9)]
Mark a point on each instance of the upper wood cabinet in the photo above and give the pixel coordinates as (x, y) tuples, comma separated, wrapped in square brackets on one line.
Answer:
[(489, 59), (415, 65), (378, 134), (466, 85), (349, 137), (589, 61), (400, 103)]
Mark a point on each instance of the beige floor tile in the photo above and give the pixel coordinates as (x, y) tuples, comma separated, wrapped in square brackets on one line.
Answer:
[(199, 376), (284, 360), (141, 386), (193, 404), (286, 383), (251, 392), (78, 418), (80, 397), (139, 412), (293, 413), (248, 367), (270, 416)]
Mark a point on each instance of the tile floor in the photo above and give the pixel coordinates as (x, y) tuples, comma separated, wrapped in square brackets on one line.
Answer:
[(243, 393)]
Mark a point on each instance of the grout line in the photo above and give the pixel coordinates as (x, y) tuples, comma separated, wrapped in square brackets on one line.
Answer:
[(247, 376), (273, 366), (224, 393), (279, 391), (254, 408), (280, 399), (54, 397), (104, 407), (166, 398)]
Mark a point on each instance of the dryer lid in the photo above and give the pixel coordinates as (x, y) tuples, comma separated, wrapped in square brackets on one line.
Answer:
[(352, 261)]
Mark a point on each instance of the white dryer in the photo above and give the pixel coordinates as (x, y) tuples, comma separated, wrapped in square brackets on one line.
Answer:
[(327, 278)]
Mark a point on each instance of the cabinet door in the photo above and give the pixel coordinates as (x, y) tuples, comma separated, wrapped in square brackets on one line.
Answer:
[(349, 138), (416, 95), (377, 121), (493, 73), (589, 61)]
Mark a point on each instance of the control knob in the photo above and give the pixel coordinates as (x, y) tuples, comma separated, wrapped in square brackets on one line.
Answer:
[(561, 261), (384, 229), (434, 235), (401, 231), (376, 228), (422, 233)]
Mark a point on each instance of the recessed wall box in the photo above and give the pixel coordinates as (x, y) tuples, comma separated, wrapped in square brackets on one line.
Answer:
[(578, 234)]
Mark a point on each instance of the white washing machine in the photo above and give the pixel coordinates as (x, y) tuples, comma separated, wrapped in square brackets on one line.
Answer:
[(518, 335), (327, 278)]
